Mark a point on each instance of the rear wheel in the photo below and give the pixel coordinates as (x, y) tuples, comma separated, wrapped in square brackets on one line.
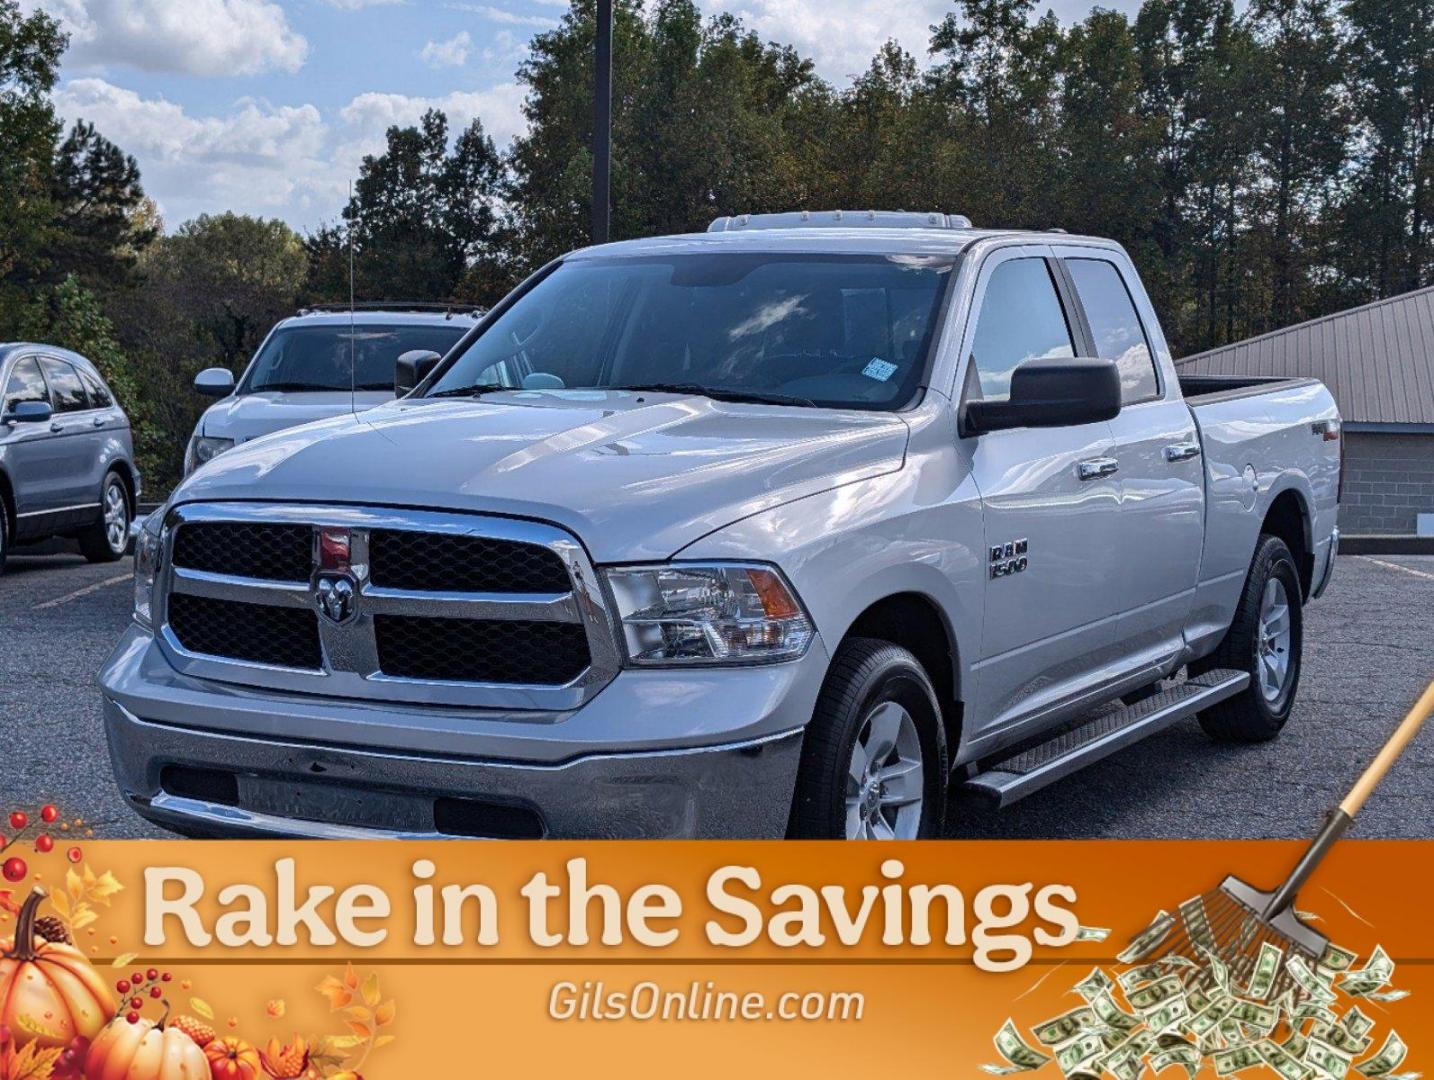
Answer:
[(1265, 640), (108, 539), (874, 756)]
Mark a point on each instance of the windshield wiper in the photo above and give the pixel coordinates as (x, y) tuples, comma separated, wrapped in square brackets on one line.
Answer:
[(717, 393), (476, 390)]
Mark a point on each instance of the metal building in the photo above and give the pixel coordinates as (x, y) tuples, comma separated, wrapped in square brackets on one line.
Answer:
[(1378, 361)]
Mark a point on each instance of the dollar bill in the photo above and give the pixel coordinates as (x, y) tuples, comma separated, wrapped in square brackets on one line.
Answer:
[(1149, 939), (1267, 966), (1355, 1022), (1258, 1016), (1151, 996), (1282, 1061), (1308, 981), (1391, 1055), (1144, 973), (1296, 1044), (1092, 933), (1094, 984), (1019, 1056), (1387, 995), (1341, 1038), (1064, 1028), (1329, 1060), (1168, 1015), (1186, 1056), (1236, 1059), (1080, 1052), (1375, 974), (1219, 973), (1208, 1019), (1336, 959), (1112, 1015)]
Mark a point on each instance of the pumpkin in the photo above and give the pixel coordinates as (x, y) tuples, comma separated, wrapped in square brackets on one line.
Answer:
[(144, 1050), (231, 1058), (49, 994)]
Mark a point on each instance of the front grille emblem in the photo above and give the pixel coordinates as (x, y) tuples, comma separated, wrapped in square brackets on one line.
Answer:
[(334, 594)]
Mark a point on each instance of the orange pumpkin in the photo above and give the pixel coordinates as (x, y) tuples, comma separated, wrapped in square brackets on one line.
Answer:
[(49, 994), (232, 1058), (144, 1051)]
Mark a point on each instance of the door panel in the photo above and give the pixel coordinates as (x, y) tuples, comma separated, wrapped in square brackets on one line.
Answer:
[(77, 483), (33, 452)]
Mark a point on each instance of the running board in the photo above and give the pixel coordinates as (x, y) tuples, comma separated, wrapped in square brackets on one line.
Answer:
[(1115, 727)]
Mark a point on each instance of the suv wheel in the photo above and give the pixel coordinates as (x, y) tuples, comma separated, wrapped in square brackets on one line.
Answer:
[(108, 539), (874, 756), (1266, 640)]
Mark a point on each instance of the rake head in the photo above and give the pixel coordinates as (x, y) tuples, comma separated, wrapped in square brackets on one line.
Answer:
[(1231, 924)]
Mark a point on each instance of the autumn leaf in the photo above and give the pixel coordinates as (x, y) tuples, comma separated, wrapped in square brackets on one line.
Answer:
[(383, 1040), (384, 1014), (103, 888), (359, 1013), (276, 1008), (351, 979), (123, 960), (7, 902), (337, 993), (202, 1007), (363, 1031), (371, 994), (33, 1063), (61, 903), (74, 885)]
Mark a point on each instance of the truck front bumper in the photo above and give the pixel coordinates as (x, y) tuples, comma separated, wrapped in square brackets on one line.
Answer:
[(671, 753)]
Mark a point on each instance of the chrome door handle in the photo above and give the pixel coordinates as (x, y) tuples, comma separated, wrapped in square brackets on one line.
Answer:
[(1095, 468), (98, 421), (1182, 451), (56, 428)]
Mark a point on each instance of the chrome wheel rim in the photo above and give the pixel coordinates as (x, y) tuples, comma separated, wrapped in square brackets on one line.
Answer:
[(116, 517), (885, 778), (1272, 651)]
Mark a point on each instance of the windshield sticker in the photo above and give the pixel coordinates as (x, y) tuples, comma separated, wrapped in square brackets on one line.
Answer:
[(879, 369)]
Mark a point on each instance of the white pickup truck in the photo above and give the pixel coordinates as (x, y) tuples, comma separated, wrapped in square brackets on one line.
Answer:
[(782, 529)]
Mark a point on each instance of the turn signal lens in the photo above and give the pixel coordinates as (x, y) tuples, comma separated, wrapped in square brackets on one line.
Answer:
[(713, 613)]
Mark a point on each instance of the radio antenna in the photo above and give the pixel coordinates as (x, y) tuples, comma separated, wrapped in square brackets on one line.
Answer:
[(353, 376)]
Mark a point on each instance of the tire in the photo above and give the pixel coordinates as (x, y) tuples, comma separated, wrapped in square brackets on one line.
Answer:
[(1254, 644), (108, 539), (873, 691)]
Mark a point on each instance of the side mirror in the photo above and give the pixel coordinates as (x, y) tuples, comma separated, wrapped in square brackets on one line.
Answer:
[(412, 368), (1050, 393), (29, 412), (215, 382)]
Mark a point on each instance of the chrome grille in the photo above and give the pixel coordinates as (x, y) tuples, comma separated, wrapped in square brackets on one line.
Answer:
[(437, 608)]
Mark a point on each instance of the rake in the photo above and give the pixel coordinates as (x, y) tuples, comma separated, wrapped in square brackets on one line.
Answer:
[(1232, 922)]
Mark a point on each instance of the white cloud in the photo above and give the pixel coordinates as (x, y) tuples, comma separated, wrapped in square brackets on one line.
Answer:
[(508, 18), (500, 108), (358, 5), (254, 158), (452, 52), (196, 37)]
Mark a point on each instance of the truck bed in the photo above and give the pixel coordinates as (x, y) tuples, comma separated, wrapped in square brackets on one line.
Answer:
[(1206, 389)]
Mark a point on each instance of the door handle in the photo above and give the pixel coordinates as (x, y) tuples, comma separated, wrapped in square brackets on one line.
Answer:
[(98, 421), (1095, 468), (1182, 451), (56, 428)]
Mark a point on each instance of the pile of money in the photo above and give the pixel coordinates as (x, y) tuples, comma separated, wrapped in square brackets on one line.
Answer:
[(1300, 1018)]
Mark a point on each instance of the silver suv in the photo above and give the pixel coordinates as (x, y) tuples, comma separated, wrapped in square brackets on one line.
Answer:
[(66, 457)]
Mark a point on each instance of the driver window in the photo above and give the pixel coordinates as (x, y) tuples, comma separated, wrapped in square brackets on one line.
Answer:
[(26, 384), (1021, 319)]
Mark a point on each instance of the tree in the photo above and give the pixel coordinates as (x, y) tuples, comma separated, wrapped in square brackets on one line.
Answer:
[(102, 218)]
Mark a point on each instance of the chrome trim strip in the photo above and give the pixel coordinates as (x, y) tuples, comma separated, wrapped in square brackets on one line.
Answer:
[(350, 649), (59, 510)]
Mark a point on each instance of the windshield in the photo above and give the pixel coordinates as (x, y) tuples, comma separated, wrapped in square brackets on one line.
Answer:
[(317, 357), (831, 330)]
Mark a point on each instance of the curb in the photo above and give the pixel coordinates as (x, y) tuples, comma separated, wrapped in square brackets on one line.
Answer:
[(1386, 545)]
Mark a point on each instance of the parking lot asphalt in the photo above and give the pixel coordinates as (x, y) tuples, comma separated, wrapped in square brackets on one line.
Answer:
[(1369, 650)]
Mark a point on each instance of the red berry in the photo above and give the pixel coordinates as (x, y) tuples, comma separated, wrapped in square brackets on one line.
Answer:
[(165, 977), (43, 844), (74, 854), (132, 1017), (155, 991), (136, 1003), (152, 974), (137, 978), (19, 819), (122, 986), (14, 869), (48, 813)]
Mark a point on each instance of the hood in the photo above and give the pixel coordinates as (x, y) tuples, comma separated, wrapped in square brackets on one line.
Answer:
[(247, 416), (634, 476)]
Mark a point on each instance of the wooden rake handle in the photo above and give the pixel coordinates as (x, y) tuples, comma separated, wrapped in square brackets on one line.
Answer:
[(1343, 816), (1365, 785)]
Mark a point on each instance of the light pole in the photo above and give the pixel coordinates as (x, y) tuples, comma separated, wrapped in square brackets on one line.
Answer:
[(602, 125)]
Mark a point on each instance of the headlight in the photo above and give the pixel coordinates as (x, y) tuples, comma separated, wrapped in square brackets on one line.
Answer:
[(716, 613), (203, 448), (146, 567)]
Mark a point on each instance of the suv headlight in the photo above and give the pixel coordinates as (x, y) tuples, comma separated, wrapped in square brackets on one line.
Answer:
[(712, 613), (146, 568), (201, 449)]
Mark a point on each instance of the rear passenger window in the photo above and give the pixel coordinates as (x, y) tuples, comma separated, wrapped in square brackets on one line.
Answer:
[(1116, 327), (66, 390), (100, 397), (26, 384), (1021, 319)]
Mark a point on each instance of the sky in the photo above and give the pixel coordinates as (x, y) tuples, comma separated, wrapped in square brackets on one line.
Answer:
[(267, 106)]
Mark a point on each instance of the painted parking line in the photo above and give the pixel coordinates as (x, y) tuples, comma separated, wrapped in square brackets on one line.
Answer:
[(1395, 566), (96, 587)]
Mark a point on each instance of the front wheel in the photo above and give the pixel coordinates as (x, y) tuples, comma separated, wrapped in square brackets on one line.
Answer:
[(874, 756), (108, 539), (1266, 639)]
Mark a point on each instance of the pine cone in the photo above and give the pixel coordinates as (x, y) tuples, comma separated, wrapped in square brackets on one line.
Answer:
[(52, 929)]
